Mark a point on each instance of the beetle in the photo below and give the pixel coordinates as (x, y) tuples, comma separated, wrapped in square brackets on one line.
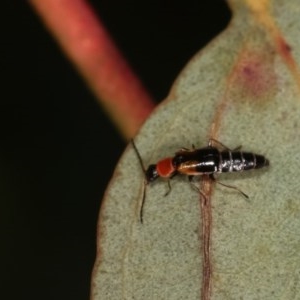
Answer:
[(202, 161)]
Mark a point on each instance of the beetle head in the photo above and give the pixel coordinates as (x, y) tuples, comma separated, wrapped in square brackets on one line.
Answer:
[(151, 173)]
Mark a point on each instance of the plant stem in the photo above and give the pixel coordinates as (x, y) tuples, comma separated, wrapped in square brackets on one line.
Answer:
[(86, 43)]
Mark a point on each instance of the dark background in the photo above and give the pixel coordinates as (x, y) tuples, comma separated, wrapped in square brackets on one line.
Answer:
[(57, 147)]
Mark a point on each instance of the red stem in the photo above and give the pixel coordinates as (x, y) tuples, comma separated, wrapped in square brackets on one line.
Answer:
[(87, 44)]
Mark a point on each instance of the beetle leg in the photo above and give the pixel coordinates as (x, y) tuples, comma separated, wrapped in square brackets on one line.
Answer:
[(211, 176), (211, 141), (169, 189)]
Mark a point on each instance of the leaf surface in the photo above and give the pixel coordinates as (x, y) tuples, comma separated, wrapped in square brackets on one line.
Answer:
[(242, 89)]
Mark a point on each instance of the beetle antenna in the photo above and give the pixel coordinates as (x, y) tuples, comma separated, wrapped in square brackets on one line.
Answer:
[(145, 180), (138, 155)]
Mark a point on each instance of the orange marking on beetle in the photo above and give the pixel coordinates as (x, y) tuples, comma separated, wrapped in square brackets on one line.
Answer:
[(188, 168), (165, 167)]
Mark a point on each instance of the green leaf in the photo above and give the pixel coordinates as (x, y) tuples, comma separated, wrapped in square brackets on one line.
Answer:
[(243, 89)]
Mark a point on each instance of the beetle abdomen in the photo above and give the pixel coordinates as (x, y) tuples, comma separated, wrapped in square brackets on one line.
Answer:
[(240, 161)]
